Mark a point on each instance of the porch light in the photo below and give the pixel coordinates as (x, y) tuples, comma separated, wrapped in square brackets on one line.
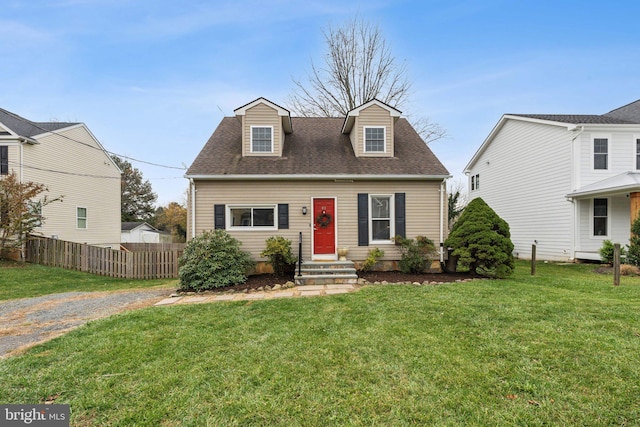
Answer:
[(304, 210)]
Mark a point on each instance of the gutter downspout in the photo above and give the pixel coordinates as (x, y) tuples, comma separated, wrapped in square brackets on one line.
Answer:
[(577, 131), (443, 190), (192, 184)]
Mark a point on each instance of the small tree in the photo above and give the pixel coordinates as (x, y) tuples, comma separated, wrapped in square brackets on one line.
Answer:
[(20, 211), (213, 260), (633, 253), (280, 255), (482, 242), (173, 218), (137, 197)]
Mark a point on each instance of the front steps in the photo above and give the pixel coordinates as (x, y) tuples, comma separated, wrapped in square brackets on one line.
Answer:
[(327, 273)]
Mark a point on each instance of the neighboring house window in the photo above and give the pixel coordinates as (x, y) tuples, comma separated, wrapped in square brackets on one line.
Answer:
[(374, 139), (475, 182), (600, 153), (81, 217), (638, 153), (381, 209), (250, 217), (600, 216), (4, 160), (261, 139)]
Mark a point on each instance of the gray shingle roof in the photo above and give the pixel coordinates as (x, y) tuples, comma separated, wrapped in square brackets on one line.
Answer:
[(316, 147), (629, 112), (27, 128), (578, 119)]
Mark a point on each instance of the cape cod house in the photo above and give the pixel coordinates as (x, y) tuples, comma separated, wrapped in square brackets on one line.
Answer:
[(71, 162), (350, 182), (563, 182)]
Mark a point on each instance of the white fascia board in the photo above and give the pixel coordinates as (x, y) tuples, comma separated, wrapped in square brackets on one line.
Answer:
[(318, 177)]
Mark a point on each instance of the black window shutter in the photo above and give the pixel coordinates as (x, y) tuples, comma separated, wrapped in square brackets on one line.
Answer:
[(218, 217), (363, 219), (283, 216), (400, 209)]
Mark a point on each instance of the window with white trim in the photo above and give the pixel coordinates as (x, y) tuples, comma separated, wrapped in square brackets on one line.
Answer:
[(374, 139), (600, 153), (81, 217), (475, 182), (252, 217), (600, 216), (262, 139), (381, 221), (638, 153)]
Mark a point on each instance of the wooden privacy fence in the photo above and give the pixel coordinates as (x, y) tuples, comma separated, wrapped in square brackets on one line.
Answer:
[(103, 261)]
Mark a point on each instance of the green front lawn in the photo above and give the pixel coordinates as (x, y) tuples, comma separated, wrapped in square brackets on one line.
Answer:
[(560, 348), (22, 280)]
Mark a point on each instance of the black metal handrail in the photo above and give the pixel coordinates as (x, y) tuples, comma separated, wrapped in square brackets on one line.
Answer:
[(300, 254)]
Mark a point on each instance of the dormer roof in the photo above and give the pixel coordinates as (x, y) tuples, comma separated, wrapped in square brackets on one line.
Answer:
[(351, 115), (282, 112)]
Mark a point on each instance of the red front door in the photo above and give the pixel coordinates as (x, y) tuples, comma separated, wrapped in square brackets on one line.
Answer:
[(324, 230)]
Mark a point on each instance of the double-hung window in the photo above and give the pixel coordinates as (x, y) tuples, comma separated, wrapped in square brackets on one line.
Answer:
[(600, 153), (600, 216), (262, 139), (252, 217), (81, 217), (4, 160), (475, 182), (638, 153), (381, 209), (374, 139)]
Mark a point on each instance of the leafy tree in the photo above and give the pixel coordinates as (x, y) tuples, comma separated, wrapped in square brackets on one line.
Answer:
[(633, 253), (213, 260), (137, 196), (172, 218), (456, 203), (358, 67), (482, 241), (20, 211)]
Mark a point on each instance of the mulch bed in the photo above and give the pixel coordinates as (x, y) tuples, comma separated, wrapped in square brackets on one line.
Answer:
[(262, 280)]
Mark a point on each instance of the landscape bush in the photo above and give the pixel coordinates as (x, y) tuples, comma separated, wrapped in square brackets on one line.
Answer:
[(372, 258), (281, 258), (606, 252), (417, 254), (482, 242), (633, 253), (213, 260)]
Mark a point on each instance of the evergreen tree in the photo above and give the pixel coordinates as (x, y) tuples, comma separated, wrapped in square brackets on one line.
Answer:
[(137, 196)]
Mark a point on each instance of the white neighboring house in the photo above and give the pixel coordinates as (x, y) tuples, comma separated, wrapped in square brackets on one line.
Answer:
[(563, 182), (71, 162), (141, 232)]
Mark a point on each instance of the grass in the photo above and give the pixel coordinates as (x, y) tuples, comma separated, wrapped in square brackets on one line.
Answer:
[(560, 348), (22, 280)]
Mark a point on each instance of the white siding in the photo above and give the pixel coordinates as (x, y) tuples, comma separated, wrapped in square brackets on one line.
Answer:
[(525, 173), (621, 155), (422, 210), (86, 177), (618, 226)]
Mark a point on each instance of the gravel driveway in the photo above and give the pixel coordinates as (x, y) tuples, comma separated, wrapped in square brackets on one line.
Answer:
[(30, 321)]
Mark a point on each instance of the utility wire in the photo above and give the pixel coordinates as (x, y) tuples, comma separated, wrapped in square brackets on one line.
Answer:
[(17, 117)]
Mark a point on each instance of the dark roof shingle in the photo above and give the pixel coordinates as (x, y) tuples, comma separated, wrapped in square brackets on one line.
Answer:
[(27, 128), (316, 147), (577, 119)]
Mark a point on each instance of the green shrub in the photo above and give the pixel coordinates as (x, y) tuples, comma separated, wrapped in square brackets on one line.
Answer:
[(633, 251), (372, 258), (280, 255), (417, 254), (213, 260), (606, 252), (482, 242)]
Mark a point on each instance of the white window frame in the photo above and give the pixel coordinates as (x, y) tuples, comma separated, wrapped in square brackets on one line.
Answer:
[(593, 153), (272, 139), (229, 217), (384, 139), (392, 219), (592, 219), (78, 218)]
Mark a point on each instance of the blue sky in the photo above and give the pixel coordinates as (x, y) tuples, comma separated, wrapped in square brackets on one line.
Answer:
[(153, 78)]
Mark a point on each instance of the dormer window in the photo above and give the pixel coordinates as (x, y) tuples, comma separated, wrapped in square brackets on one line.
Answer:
[(374, 139), (262, 139)]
